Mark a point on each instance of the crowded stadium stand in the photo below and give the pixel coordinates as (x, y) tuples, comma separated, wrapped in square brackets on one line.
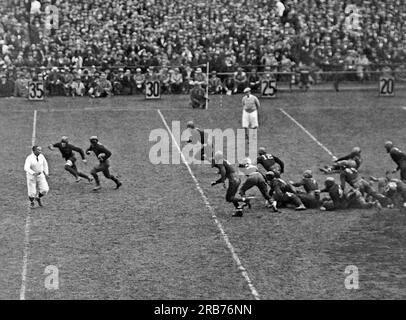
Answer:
[(73, 45)]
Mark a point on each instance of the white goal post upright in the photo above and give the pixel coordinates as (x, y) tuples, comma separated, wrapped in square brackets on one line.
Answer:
[(207, 85)]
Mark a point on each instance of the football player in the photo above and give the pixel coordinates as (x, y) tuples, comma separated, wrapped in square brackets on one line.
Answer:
[(67, 150), (352, 160), (398, 157), (282, 192), (311, 195), (255, 179), (270, 162), (103, 154), (354, 179), (227, 171)]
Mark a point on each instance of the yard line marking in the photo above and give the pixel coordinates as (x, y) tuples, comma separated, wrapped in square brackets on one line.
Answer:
[(34, 128), (213, 215), (27, 226), (307, 132)]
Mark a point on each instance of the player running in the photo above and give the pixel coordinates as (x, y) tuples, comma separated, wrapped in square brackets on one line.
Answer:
[(398, 157), (103, 155), (352, 160), (255, 179), (226, 171), (270, 162), (282, 192), (67, 150)]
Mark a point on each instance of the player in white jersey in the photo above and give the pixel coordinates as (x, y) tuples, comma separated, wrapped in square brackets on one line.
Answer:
[(36, 168), (250, 106)]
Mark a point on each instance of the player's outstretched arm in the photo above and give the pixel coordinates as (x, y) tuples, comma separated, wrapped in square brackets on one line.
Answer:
[(80, 151)]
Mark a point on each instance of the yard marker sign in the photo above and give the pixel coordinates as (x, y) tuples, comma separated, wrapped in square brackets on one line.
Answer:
[(152, 89), (268, 88), (386, 86), (36, 90)]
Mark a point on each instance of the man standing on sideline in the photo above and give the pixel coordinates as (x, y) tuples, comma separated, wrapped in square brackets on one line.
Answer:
[(250, 105), (66, 150), (398, 157), (36, 168), (103, 155)]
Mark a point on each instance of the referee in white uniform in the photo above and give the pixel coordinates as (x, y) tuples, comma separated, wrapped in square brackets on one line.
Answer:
[(250, 106), (36, 168)]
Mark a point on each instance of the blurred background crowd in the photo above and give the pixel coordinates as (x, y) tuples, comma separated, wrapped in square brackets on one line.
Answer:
[(82, 43)]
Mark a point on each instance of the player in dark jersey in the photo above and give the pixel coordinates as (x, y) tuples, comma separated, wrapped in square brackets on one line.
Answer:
[(398, 157), (226, 171), (198, 136), (255, 179), (270, 162), (67, 151), (103, 155), (282, 192), (337, 200), (354, 179), (352, 159), (311, 195)]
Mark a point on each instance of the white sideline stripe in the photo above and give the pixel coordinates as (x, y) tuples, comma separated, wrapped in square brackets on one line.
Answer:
[(213, 215), (307, 132), (27, 226)]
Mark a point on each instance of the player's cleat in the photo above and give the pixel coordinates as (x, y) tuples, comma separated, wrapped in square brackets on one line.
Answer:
[(247, 202), (78, 179), (32, 205), (118, 185), (238, 213), (39, 201), (98, 187), (300, 208)]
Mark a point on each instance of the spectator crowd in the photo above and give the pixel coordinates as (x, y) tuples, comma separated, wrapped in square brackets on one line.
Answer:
[(79, 47)]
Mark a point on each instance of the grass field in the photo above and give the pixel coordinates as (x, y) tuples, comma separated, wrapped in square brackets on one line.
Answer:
[(156, 238)]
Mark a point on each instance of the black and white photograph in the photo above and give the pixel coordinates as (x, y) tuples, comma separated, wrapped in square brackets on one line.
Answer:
[(212, 151)]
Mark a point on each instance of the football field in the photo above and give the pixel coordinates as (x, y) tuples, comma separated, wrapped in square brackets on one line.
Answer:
[(166, 233)]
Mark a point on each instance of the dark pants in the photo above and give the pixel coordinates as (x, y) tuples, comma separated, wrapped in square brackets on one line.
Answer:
[(357, 201), (232, 189), (310, 200), (288, 198), (255, 180), (103, 167), (402, 167), (365, 188), (73, 170)]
